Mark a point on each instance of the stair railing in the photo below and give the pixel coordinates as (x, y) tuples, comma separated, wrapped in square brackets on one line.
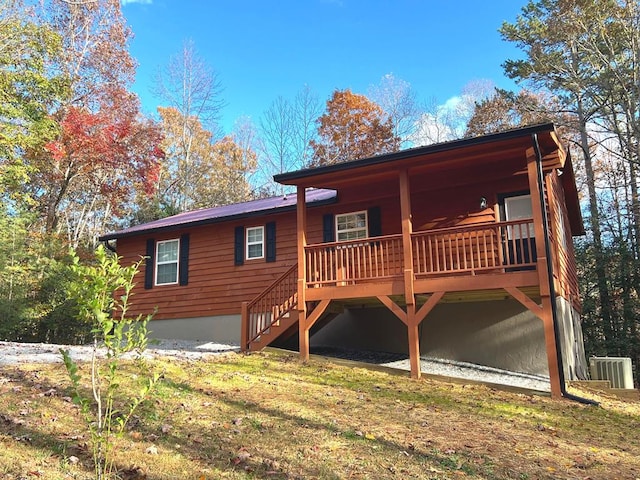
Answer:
[(269, 307)]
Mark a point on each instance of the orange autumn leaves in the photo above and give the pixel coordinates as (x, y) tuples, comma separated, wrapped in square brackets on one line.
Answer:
[(352, 127)]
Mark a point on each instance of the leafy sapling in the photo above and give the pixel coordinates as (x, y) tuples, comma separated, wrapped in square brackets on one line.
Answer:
[(103, 291)]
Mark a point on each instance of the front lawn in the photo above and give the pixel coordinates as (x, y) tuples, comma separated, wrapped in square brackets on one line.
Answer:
[(268, 416)]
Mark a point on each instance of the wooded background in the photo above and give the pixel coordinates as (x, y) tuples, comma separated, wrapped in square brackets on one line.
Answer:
[(78, 158)]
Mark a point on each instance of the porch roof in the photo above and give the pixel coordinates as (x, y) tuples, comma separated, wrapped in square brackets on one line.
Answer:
[(457, 154), (224, 213), (456, 151)]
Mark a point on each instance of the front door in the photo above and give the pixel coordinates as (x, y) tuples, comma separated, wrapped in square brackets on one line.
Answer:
[(520, 242)]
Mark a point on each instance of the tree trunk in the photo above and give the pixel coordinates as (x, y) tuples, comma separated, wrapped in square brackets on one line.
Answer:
[(599, 256)]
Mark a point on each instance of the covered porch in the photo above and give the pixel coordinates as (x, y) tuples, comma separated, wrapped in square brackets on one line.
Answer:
[(432, 245)]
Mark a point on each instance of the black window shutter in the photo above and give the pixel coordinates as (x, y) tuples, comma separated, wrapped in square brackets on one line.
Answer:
[(239, 246), (271, 241), (149, 263), (183, 266), (375, 222), (328, 232)]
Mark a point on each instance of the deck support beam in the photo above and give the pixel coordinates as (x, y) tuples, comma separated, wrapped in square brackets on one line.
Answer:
[(305, 322), (412, 319), (395, 309), (431, 302), (414, 341), (244, 327), (526, 301), (315, 314), (546, 312)]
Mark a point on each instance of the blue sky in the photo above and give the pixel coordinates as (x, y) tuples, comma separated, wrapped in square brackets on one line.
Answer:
[(264, 49)]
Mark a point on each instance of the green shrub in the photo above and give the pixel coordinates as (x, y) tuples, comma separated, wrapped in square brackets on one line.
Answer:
[(102, 293)]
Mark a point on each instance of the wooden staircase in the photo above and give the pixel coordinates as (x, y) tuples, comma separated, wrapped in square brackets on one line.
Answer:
[(272, 313), (283, 327)]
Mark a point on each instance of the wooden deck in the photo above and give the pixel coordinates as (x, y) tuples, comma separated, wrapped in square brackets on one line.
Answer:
[(467, 263)]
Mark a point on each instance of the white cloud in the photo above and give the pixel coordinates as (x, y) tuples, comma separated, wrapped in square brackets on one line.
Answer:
[(442, 122), (447, 121), (452, 103), (142, 2), (430, 129)]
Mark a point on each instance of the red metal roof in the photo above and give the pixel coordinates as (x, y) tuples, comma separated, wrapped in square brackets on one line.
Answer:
[(225, 213)]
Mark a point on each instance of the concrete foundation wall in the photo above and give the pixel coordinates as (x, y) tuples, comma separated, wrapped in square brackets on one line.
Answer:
[(374, 329), (222, 329), (501, 334), (572, 342)]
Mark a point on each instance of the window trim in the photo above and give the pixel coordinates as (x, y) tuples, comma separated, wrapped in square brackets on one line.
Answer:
[(261, 242), (365, 228), (561, 231), (176, 261)]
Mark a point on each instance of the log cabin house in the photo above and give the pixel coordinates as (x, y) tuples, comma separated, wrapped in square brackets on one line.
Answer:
[(460, 250)]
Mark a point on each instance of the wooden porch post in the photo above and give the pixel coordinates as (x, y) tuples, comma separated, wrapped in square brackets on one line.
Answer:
[(554, 216), (301, 236), (412, 320), (407, 229), (541, 265), (414, 341), (244, 328)]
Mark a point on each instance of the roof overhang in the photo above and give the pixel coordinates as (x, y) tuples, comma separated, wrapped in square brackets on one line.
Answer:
[(449, 154)]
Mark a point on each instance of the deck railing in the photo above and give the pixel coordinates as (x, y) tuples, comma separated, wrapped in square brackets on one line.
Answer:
[(502, 246), (275, 302), (473, 249), (345, 263), (488, 248)]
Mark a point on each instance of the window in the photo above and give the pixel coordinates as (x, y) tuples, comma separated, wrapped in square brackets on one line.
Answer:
[(255, 242), (562, 232), (519, 208), (167, 262), (351, 226)]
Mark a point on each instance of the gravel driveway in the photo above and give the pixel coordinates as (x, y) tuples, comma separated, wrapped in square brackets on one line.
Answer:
[(13, 353)]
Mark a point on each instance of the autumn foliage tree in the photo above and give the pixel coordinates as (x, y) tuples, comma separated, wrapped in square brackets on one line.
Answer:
[(77, 145), (189, 161), (234, 164), (74, 151), (197, 171), (96, 165), (95, 40), (27, 91), (81, 179), (352, 127)]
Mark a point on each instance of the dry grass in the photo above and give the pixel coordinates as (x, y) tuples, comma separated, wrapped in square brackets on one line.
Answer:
[(268, 416)]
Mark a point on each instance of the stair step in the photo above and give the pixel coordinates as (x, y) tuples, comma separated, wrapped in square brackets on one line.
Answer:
[(275, 330)]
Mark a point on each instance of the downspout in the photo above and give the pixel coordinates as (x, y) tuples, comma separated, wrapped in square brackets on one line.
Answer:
[(552, 290)]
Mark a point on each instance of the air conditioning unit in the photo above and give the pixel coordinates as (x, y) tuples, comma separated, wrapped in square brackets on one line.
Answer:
[(617, 370)]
